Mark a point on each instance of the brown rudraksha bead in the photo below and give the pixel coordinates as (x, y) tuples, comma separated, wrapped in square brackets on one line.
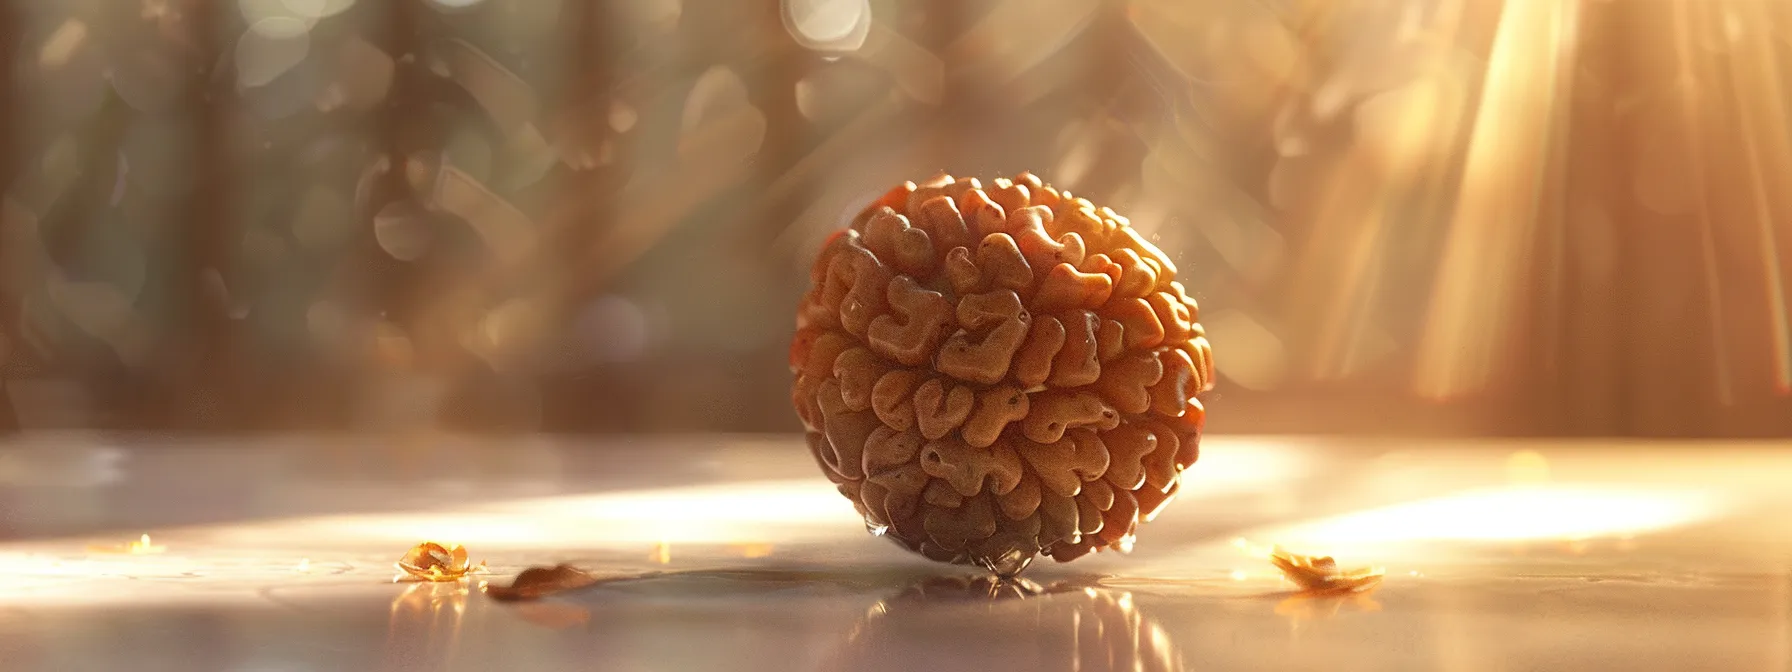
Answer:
[(994, 372)]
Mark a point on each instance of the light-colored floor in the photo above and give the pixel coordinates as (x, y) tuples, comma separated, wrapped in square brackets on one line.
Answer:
[(277, 555)]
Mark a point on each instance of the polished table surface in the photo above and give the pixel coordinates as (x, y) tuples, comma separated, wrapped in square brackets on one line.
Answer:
[(732, 553)]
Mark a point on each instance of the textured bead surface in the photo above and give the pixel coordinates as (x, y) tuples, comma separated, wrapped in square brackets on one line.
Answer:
[(994, 372)]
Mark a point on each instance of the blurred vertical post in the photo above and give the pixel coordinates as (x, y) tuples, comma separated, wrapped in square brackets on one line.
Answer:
[(584, 202), (402, 291), (965, 113), (311, 90), (9, 306), (786, 133), (203, 321), (587, 99), (788, 138), (1101, 161)]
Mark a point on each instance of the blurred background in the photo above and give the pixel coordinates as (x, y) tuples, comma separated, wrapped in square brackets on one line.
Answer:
[(1432, 217)]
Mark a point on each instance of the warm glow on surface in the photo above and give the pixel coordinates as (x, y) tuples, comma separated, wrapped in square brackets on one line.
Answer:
[(1527, 467), (753, 550), (141, 546), (1413, 513), (753, 512), (1241, 466), (1508, 515), (742, 513)]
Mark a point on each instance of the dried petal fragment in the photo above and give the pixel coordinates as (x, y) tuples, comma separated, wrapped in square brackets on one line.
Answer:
[(430, 561), (1320, 574)]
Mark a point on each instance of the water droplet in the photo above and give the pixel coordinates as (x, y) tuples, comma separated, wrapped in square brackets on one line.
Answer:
[(1008, 565)]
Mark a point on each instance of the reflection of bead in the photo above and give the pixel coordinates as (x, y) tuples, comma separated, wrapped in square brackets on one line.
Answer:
[(1082, 628), (995, 373)]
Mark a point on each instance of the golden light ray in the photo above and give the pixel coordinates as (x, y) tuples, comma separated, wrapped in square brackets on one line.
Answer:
[(1529, 74), (1758, 89), (1357, 230), (1344, 267), (1507, 516)]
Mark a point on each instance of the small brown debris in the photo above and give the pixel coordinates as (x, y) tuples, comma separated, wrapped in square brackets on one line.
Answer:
[(535, 583)]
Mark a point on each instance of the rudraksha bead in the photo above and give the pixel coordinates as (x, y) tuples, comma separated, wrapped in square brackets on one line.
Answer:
[(994, 372)]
